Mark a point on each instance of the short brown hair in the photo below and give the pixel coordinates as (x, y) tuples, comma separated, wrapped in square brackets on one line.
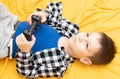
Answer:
[(106, 53)]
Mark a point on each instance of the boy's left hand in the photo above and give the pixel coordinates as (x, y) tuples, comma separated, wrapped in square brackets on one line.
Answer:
[(41, 14)]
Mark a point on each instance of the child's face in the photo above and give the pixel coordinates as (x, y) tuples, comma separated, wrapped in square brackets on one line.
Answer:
[(85, 44)]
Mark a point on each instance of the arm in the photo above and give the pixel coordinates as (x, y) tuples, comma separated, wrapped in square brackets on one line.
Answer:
[(56, 20), (53, 12), (42, 64), (34, 65), (46, 63)]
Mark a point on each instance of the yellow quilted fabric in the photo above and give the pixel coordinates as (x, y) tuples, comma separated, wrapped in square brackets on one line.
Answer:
[(91, 15)]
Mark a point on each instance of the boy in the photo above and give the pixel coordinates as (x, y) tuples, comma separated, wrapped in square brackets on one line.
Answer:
[(94, 47), (67, 44)]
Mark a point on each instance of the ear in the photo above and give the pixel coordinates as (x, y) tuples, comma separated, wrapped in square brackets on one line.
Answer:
[(86, 61)]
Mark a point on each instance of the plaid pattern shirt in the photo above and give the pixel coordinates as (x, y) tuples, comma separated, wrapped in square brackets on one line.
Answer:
[(48, 62)]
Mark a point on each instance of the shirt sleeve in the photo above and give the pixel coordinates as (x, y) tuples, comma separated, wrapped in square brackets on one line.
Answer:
[(46, 63), (56, 20)]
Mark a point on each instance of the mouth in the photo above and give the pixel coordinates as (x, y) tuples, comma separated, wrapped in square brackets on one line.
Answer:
[(74, 39)]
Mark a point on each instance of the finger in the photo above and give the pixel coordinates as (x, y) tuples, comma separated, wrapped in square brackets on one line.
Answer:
[(30, 19), (23, 38), (41, 15), (33, 38), (18, 41), (20, 37), (43, 19)]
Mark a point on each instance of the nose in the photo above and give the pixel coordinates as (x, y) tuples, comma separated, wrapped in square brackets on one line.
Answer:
[(81, 39)]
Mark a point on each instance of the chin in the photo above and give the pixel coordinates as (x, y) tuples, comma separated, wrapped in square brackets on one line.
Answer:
[(73, 40)]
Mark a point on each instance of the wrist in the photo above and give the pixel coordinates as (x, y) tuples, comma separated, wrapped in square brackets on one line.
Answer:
[(24, 51)]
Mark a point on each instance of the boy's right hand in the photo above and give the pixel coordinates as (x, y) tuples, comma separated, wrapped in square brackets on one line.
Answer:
[(23, 44), (41, 14)]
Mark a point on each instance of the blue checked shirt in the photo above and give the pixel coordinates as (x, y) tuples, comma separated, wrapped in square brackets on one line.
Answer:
[(48, 62)]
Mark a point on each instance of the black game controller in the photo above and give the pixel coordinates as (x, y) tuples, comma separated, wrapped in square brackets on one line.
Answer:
[(28, 33)]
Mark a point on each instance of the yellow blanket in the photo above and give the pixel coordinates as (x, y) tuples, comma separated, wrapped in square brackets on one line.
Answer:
[(91, 15)]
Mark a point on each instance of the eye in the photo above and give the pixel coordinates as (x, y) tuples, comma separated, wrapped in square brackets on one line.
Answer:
[(87, 35), (87, 45)]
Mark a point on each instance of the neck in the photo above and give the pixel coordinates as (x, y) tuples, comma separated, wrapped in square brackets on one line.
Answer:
[(64, 42)]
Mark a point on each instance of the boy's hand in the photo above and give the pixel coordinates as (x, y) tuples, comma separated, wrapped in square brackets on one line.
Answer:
[(23, 44), (41, 14)]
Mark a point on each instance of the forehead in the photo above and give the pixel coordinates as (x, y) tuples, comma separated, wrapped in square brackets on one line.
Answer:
[(94, 41)]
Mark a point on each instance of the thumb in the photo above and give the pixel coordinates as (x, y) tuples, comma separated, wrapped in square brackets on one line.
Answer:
[(30, 19), (33, 38)]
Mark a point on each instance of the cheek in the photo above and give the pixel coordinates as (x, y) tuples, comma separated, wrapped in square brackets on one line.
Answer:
[(79, 51), (81, 45)]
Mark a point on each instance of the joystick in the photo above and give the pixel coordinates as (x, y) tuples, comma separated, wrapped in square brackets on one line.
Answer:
[(28, 33)]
